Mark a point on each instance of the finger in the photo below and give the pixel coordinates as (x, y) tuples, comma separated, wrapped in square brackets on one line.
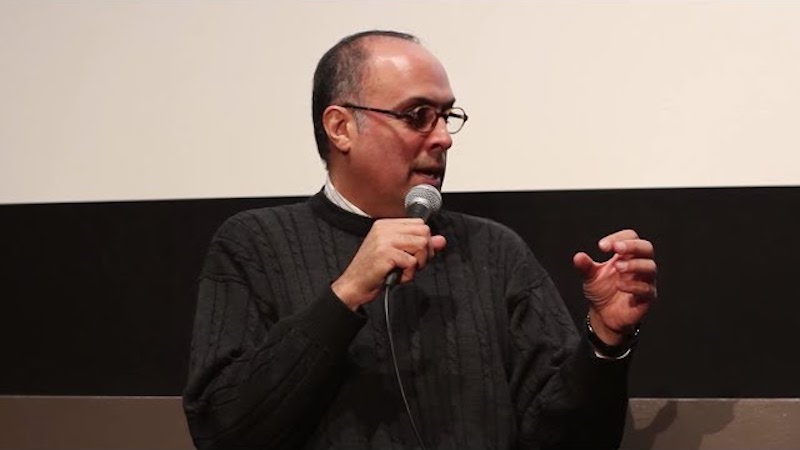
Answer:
[(643, 290), (641, 268), (584, 263), (422, 257), (415, 263), (606, 244), (634, 247), (410, 243), (421, 247), (399, 221), (435, 244), (404, 261), (400, 226)]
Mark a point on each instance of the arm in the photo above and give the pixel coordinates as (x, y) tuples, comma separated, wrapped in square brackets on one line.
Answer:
[(256, 378), (565, 397), (260, 375), (577, 399)]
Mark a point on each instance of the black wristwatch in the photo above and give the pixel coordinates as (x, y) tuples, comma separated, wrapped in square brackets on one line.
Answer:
[(618, 351)]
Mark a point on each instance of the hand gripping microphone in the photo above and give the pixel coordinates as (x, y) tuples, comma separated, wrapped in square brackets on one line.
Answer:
[(422, 201)]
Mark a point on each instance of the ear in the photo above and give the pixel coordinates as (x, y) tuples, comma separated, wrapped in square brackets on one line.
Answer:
[(340, 127)]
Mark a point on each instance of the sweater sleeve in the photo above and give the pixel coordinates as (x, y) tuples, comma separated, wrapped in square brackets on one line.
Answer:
[(258, 379), (565, 397)]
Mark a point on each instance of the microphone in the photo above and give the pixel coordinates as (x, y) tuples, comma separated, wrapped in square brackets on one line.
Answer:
[(422, 201)]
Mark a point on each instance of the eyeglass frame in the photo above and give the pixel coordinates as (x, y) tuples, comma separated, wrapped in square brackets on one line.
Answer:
[(408, 118)]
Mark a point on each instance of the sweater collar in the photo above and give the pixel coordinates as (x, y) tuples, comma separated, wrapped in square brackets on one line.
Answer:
[(356, 224), (338, 217)]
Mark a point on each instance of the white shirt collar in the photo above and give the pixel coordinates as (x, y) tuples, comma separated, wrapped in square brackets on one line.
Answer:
[(337, 199)]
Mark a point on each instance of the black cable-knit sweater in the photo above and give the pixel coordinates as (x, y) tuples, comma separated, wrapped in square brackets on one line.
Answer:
[(489, 356)]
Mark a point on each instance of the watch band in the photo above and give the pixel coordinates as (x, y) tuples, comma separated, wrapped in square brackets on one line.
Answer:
[(606, 351)]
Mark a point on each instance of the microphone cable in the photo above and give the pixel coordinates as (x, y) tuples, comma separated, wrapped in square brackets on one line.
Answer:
[(396, 368)]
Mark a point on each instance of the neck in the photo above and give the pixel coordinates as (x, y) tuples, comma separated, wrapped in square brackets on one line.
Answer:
[(340, 200), (353, 193), (338, 217)]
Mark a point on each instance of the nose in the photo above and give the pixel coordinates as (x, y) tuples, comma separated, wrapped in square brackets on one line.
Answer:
[(439, 136)]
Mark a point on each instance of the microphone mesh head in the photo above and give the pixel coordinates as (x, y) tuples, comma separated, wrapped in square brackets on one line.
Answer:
[(427, 195)]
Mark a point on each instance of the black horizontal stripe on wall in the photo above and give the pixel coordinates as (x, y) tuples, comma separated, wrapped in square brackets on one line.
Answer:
[(98, 298)]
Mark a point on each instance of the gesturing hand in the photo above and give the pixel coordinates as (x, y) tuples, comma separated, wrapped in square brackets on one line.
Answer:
[(620, 290), (390, 243)]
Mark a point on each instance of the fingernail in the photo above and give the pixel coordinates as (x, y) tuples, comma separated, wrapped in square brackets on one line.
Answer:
[(622, 266), (603, 244), (620, 247)]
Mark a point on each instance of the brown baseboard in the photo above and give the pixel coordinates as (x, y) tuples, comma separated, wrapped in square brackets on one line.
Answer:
[(156, 423), (89, 423), (724, 424)]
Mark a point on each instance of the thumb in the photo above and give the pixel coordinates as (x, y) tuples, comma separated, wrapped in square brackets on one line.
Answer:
[(438, 242), (584, 263)]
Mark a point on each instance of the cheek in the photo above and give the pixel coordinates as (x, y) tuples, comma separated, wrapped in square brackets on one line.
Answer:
[(412, 147), (401, 153), (394, 154)]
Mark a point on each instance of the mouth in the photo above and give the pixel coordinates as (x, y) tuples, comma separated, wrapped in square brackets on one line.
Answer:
[(432, 176)]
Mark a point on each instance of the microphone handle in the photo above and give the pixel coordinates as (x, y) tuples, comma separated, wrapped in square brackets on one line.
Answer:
[(418, 210), (393, 277)]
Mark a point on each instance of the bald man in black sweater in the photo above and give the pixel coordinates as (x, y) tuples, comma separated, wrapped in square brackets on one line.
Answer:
[(291, 349)]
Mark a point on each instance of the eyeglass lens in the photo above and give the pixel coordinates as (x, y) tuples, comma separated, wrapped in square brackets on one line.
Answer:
[(425, 118)]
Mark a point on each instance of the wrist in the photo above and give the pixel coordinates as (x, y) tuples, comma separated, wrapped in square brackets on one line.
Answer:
[(611, 345), (599, 328), (348, 295)]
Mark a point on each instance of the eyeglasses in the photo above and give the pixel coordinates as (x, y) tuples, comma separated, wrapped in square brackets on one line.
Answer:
[(423, 118)]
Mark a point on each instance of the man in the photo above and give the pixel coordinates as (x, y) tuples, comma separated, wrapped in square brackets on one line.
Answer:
[(290, 349)]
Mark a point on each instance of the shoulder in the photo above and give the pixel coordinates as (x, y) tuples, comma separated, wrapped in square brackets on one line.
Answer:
[(502, 248), (262, 220), (480, 229)]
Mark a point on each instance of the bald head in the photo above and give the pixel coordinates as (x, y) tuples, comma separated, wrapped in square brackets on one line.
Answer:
[(339, 77), (375, 149)]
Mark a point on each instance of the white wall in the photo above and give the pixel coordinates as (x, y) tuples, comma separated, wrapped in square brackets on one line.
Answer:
[(117, 100)]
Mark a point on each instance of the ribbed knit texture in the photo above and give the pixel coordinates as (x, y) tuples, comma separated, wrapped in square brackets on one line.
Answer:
[(488, 353)]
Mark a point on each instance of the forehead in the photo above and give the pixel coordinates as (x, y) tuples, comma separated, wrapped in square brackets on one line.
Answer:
[(398, 70)]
